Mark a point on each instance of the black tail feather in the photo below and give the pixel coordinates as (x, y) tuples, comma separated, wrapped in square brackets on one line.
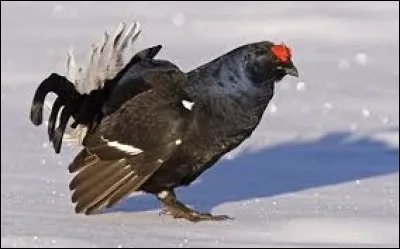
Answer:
[(60, 102), (63, 88), (56, 84), (83, 108), (66, 113), (86, 109), (68, 97)]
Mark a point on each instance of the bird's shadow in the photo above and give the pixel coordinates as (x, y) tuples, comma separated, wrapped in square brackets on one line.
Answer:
[(284, 168)]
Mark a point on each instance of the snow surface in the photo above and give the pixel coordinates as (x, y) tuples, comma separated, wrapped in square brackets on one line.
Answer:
[(321, 170)]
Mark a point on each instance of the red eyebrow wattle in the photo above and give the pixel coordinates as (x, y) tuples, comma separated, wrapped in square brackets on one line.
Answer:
[(282, 52)]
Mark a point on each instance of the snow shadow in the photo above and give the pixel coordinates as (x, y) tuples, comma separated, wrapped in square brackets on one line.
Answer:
[(284, 168)]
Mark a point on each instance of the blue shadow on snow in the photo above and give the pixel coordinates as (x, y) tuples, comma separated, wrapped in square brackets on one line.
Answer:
[(284, 168)]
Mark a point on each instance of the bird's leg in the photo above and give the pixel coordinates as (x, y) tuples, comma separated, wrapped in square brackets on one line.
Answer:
[(177, 209)]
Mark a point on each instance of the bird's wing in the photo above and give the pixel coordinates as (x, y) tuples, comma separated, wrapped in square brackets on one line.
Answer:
[(130, 81), (131, 144)]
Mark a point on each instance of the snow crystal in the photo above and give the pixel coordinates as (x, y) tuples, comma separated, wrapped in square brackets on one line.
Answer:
[(366, 113), (178, 19), (344, 65), (50, 181), (385, 120), (361, 59), (357, 182), (272, 108), (327, 107), (301, 86), (43, 161)]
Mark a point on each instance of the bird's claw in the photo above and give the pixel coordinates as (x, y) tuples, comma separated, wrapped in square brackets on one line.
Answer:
[(175, 208), (194, 216)]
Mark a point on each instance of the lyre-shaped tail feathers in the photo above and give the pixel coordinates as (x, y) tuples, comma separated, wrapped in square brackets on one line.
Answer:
[(105, 60)]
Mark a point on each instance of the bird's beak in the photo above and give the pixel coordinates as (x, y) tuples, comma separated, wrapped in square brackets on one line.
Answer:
[(292, 70)]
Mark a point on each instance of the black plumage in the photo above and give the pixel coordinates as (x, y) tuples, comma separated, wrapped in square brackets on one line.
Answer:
[(143, 137)]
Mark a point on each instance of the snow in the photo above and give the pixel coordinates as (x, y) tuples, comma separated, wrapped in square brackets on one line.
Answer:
[(178, 19), (361, 59), (58, 8), (301, 86), (344, 65), (327, 107), (366, 113), (272, 108), (320, 171)]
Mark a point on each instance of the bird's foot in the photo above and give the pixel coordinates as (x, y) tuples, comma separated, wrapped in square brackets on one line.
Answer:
[(178, 210)]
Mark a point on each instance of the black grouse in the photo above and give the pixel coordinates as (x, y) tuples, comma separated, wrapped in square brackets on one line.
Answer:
[(148, 126)]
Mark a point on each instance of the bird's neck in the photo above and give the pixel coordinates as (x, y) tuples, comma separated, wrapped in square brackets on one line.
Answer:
[(223, 86)]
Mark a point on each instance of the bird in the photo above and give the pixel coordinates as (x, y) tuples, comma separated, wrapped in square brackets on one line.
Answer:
[(146, 125)]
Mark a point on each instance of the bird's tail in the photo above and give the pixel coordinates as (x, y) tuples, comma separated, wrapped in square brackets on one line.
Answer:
[(78, 94)]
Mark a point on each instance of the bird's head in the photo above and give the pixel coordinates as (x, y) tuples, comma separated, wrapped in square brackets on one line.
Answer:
[(266, 62)]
